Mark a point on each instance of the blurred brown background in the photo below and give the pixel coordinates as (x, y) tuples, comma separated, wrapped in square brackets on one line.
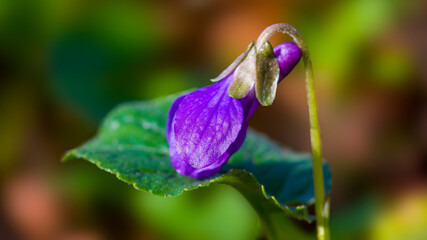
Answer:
[(65, 64)]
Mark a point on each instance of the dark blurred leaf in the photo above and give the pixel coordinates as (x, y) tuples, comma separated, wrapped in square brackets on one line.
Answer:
[(104, 57), (131, 144)]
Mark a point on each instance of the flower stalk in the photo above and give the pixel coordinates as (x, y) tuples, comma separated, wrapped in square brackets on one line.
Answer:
[(321, 207)]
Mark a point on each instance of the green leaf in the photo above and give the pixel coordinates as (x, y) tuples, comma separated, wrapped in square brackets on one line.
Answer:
[(131, 144)]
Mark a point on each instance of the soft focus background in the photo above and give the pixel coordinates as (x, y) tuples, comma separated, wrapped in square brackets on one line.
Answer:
[(65, 64)]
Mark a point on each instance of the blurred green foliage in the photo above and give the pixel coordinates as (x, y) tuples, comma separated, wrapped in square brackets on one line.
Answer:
[(217, 212)]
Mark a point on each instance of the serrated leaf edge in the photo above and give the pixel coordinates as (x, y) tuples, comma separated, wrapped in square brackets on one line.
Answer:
[(71, 155)]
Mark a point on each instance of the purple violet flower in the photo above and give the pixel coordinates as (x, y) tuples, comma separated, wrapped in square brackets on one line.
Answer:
[(207, 126)]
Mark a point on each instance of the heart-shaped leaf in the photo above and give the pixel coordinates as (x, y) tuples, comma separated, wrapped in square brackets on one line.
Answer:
[(131, 144)]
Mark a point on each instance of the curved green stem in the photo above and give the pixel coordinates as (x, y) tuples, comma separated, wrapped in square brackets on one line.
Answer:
[(321, 209), (319, 192)]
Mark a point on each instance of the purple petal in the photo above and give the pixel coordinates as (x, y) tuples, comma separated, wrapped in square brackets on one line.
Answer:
[(181, 166), (172, 111), (185, 169), (206, 123), (288, 55)]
